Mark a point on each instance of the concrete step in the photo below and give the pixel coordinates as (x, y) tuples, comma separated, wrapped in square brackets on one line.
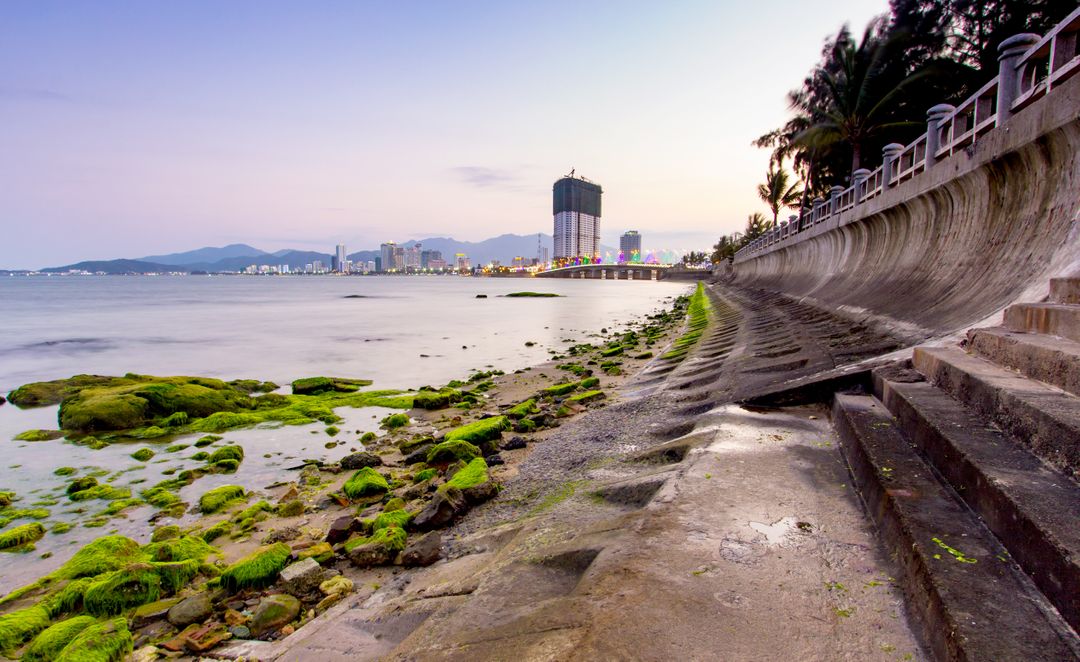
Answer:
[(1065, 290), (1043, 418), (970, 601), (1032, 509), (1056, 319), (1049, 359)]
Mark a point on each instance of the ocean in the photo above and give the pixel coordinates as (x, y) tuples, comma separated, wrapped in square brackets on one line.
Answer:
[(400, 332)]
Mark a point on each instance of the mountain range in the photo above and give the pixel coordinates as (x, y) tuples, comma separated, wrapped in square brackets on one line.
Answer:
[(236, 257)]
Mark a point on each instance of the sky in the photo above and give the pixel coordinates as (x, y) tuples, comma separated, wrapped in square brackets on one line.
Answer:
[(137, 128)]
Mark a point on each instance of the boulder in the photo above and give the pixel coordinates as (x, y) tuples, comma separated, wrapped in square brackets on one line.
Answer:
[(337, 585), (194, 609), (369, 554), (341, 529), (423, 551), (240, 632), (419, 455), (273, 613), (284, 534), (512, 444), (444, 507), (152, 611), (301, 578), (360, 460), (495, 460)]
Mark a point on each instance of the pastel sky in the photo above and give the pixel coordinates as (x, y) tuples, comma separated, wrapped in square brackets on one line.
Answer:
[(135, 128)]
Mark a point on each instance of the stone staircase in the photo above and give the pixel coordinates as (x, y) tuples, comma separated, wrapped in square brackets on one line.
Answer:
[(967, 461)]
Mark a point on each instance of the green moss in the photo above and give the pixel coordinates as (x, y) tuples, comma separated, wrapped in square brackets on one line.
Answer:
[(365, 482), (367, 436), (175, 448), (474, 473), (47, 645), (522, 410), (253, 386), (225, 420), (149, 432), (425, 474), (486, 429), (206, 440), (451, 451), (21, 536), (436, 399), (393, 538), (108, 641), (167, 532), (201, 456), (216, 531), (143, 454), (80, 484), (132, 586), (107, 492), (254, 511), (559, 389), (160, 497), (589, 382), (586, 397), (38, 435), (332, 430), (525, 425), (39, 394), (64, 471), (399, 518), (231, 452), (226, 466), (394, 421), (258, 569), (541, 295), (175, 575), (220, 497), (316, 385), (698, 313), (60, 527), (293, 508), (19, 626), (644, 355), (120, 505)]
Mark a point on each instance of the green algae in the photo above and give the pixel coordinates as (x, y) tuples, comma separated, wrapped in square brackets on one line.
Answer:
[(230, 452), (524, 425), (486, 429), (392, 538), (167, 532), (532, 295), (80, 484), (394, 421), (589, 382), (699, 311), (258, 569), (436, 399), (132, 586), (612, 351), (19, 626), (175, 575), (108, 641), (253, 386), (522, 410), (206, 440), (559, 389), (149, 432), (47, 645), (365, 482), (317, 385), (367, 436), (143, 454), (176, 448), (425, 474), (40, 394), (64, 471), (38, 435), (21, 536), (399, 518), (106, 492), (216, 531), (586, 397), (452, 451), (220, 497), (332, 430), (256, 510), (292, 508), (475, 473)]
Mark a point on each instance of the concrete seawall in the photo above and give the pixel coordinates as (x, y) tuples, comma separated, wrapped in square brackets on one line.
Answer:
[(956, 244)]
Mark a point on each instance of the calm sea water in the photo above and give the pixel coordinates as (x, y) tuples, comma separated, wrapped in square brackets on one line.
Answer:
[(276, 329)]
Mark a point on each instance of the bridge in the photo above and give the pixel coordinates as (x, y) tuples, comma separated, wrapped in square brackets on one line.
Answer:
[(609, 272)]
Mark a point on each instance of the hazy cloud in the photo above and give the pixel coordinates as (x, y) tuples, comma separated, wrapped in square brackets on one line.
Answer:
[(482, 177), (34, 94)]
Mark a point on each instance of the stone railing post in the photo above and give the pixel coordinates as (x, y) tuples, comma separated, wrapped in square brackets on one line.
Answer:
[(1009, 78), (794, 221), (934, 116), (819, 205), (888, 163), (860, 176), (834, 199)]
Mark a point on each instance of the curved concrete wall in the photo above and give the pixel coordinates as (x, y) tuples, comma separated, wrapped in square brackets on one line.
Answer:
[(956, 244)]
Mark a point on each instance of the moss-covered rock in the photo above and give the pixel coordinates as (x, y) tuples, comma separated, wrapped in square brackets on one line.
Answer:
[(315, 385), (19, 626), (258, 569), (522, 410), (21, 536), (273, 613), (207, 439), (473, 474), (80, 484), (108, 641), (378, 549), (425, 474), (452, 451), (106, 492), (293, 508), (586, 397), (219, 497), (394, 421), (38, 435), (436, 399), (40, 394), (216, 531), (391, 518), (321, 552), (589, 382), (47, 645), (486, 429), (143, 454), (167, 532), (365, 482), (64, 471), (132, 586), (559, 389)]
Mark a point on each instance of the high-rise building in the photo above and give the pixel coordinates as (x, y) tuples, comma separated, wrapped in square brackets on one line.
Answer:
[(462, 261), (630, 246), (576, 206), (427, 257), (412, 257), (341, 261), (386, 252)]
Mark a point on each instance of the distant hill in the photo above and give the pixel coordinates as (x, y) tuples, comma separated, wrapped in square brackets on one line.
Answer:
[(237, 257), (206, 255)]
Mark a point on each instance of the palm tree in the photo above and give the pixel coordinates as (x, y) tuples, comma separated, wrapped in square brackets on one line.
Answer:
[(756, 226), (778, 191)]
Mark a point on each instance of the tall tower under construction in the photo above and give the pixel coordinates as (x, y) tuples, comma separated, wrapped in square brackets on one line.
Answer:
[(576, 205)]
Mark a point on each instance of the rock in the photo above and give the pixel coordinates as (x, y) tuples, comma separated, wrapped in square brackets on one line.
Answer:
[(328, 601), (423, 551), (369, 554), (283, 534), (478, 494), (145, 653), (310, 475), (341, 528), (301, 578), (203, 640), (240, 631), (321, 552), (156, 631), (152, 611), (418, 455), (194, 609), (360, 460), (495, 460), (290, 494), (273, 613), (337, 585), (443, 508), (512, 444), (287, 630), (233, 617)]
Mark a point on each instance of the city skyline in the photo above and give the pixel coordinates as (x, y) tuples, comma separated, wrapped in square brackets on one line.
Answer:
[(134, 130)]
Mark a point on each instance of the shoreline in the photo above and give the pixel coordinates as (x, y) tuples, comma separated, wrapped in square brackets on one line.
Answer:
[(306, 531)]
